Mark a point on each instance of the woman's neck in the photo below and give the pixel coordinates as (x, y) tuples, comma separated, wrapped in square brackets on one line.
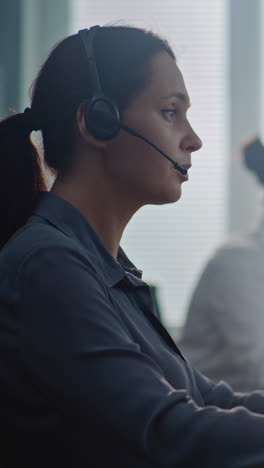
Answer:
[(107, 213)]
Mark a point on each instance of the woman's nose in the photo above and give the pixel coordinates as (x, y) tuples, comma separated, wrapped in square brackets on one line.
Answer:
[(191, 142)]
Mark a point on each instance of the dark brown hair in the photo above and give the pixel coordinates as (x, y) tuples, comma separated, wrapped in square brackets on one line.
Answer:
[(122, 57)]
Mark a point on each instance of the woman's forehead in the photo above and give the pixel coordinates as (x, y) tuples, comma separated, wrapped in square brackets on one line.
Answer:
[(166, 80)]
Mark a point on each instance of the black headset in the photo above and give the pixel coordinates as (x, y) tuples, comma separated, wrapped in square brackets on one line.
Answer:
[(101, 115)]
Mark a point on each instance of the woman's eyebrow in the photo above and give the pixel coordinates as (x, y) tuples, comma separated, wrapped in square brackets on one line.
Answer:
[(182, 96)]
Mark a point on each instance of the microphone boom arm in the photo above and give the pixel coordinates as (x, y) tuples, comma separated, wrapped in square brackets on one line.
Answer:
[(177, 166)]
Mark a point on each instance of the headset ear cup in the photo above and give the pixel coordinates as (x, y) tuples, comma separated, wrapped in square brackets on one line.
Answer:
[(102, 118)]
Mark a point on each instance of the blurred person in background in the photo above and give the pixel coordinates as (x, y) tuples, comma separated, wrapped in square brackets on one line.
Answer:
[(224, 328)]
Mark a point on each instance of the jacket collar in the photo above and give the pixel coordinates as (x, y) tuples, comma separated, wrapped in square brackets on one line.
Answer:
[(66, 218)]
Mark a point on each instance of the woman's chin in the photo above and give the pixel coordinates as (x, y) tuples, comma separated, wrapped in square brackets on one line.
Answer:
[(169, 197)]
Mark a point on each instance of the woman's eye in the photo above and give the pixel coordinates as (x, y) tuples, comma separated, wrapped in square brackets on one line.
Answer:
[(171, 113)]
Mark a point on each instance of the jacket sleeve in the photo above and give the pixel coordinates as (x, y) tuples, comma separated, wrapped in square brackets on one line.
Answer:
[(77, 349), (220, 394), (223, 332)]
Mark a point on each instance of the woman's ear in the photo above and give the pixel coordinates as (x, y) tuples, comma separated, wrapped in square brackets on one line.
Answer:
[(84, 133)]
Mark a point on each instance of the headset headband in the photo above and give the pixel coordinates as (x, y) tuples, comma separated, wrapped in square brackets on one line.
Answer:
[(102, 117), (87, 37)]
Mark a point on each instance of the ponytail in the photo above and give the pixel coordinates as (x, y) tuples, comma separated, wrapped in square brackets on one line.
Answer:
[(21, 174)]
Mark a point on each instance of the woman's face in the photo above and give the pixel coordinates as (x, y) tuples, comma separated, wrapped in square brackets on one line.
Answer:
[(159, 113)]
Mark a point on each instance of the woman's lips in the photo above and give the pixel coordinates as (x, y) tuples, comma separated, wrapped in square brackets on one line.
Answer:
[(184, 177)]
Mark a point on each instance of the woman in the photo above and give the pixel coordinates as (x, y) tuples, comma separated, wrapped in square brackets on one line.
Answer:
[(89, 377)]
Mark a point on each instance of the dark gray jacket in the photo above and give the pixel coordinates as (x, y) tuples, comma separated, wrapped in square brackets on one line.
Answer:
[(88, 375)]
